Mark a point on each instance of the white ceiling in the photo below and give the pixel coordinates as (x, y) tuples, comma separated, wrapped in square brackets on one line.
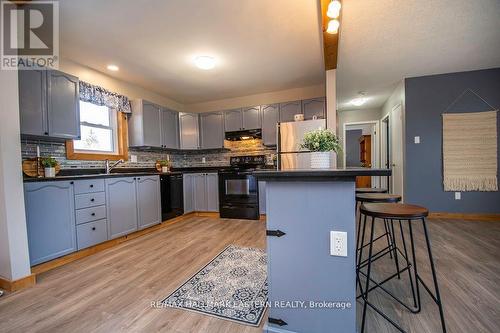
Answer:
[(260, 45), (383, 41)]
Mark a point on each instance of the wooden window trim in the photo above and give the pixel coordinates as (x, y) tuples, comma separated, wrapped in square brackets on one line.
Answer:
[(122, 135)]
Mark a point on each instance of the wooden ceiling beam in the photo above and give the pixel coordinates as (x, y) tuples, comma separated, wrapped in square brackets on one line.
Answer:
[(330, 41)]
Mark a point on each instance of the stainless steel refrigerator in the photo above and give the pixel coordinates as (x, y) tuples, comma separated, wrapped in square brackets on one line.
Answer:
[(290, 136)]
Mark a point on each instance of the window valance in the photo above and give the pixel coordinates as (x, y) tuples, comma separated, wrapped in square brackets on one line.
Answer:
[(100, 96)]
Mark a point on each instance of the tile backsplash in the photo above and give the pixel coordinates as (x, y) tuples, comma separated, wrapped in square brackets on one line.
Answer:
[(146, 158)]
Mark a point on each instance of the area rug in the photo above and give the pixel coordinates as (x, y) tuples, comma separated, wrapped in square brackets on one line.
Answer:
[(470, 151), (233, 286)]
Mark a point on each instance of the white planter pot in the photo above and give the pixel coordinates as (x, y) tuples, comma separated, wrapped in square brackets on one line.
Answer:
[(50, 172), (164, 169), (320, 160)]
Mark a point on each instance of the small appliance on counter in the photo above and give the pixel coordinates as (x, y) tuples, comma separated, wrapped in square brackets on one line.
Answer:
[(238, 188)]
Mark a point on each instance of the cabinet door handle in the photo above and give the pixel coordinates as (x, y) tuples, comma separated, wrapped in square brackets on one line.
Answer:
[(46, 133), (93, 214), (93, 228), (71, 183), (92, 200), (91, 185)]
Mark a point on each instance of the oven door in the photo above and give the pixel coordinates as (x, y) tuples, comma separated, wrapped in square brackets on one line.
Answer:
[(238, 187)]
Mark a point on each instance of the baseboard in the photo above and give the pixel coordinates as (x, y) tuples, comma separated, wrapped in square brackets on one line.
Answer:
[(25, 282), (207, 214), (466, 216)]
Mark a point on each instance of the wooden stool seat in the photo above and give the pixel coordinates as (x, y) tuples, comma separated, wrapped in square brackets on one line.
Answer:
[(377, 197), (393, 211), (370, 190)]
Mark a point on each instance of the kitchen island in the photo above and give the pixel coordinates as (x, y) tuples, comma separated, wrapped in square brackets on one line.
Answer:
[(309, 289)]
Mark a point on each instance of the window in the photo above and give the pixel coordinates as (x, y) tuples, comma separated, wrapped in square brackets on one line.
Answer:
[(97, 128), (103, 133)]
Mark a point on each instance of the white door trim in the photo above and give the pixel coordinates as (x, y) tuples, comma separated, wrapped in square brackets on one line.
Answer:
[(375, 141)]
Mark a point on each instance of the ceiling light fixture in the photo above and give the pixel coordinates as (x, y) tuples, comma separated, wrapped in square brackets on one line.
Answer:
[(333, 26), (204, 62), (334, 9), (359, 100), (113, 68)]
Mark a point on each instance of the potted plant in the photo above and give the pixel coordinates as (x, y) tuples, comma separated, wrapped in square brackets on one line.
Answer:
[(321, 142), (165, 165), (49, 164)]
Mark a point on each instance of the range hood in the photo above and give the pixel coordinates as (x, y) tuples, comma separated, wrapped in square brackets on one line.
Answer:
[(244, 135)]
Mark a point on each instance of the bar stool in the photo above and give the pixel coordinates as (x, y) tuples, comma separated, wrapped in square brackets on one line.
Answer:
[(375, 197), (401, 212), (370, 190)]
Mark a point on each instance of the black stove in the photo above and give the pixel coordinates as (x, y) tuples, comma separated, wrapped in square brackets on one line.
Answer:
[(238, 188)]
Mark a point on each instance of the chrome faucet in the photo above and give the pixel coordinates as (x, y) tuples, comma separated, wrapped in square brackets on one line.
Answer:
[(111, 167)]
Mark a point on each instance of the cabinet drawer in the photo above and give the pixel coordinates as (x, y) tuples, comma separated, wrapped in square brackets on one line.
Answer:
[(90, 200), (89, 186), (91, 233), (90, 214)]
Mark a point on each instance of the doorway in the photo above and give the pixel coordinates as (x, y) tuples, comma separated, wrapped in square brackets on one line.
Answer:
[(396, 149), (361, 149)]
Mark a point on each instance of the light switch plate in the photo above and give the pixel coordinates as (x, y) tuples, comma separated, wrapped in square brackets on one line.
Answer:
[(458, 195), (417, 139), (133, 158), (338, 243)]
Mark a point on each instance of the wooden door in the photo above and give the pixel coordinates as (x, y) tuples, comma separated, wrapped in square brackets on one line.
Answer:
[(365, 157)]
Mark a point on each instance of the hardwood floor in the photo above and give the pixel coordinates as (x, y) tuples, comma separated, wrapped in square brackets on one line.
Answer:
[(112, 290)]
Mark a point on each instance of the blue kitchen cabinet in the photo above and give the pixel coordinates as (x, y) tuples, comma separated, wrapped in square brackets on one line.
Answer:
[(121, 204), (212, 130), (289, 109), (270, 118), (50, 219), (148, 201), (314, 107), (251, 118), (49, 104), (188, 187)]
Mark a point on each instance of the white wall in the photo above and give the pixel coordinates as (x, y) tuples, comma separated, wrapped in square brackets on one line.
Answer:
[(258, 99), (14, 256), (353, 116), (130, 90)]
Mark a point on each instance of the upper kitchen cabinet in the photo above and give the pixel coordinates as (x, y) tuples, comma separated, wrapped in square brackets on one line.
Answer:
[(251, 118), (233, 120), (270, 118), (49, 103), (289, 109), (153, 126), (314, 107), (169, 122), (212, 130), (188, 124), (242, 119)]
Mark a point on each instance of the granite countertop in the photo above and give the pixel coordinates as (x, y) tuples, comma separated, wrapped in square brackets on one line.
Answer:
[(319, 174)]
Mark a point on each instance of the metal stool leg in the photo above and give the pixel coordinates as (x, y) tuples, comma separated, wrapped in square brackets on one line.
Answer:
[(415, 270), (391, 226), (387, 234), (365, 297), (406, 257), (361, 254), (437, 297)]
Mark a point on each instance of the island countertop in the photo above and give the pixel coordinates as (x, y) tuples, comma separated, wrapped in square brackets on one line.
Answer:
[(319, 174)]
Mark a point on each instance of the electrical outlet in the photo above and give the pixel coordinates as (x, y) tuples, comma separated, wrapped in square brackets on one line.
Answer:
[(133, 158), (417, 139), (338, 243), (458, 195), (203, 160)]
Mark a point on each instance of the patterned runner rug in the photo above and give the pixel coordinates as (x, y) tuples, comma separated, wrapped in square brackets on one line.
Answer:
[(233, 286)]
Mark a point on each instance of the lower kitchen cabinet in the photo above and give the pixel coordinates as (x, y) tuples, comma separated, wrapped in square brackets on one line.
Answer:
[(121, 202), (201, 192), (91, 233), (50, 217), (148, 201), (188, 184)]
